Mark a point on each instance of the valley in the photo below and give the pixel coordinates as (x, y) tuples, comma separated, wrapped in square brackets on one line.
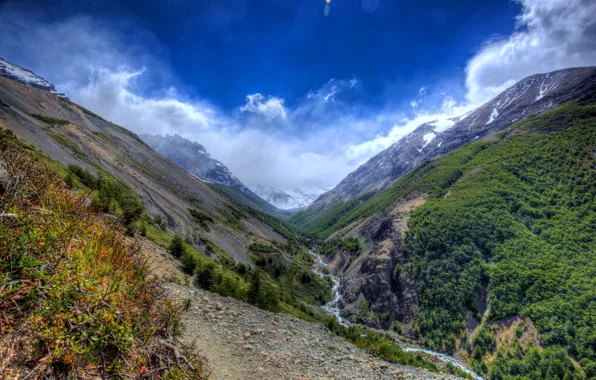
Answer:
[(473, 258)]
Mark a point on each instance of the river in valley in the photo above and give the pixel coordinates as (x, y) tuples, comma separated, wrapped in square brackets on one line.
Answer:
[(332, 307)]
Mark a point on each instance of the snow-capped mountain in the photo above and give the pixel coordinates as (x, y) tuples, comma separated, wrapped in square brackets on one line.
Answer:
[(194, 158), (527, 98), (19, 74), (289, 199)]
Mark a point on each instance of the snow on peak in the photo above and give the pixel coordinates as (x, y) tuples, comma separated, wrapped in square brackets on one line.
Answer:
[(442, 125), (427, 139), (287, 199), (16, 72)]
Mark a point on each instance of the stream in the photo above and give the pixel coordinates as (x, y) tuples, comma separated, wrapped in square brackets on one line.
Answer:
[(332, 307)]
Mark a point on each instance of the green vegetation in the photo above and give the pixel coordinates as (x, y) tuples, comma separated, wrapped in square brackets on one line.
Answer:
[(177, 248), (201, 218), (380, 345), (350, 246), (515, 217), (50, 120), (73, 293)]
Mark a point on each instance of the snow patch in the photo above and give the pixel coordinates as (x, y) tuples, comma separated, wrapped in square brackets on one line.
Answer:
[(493, 116), (427, 139)]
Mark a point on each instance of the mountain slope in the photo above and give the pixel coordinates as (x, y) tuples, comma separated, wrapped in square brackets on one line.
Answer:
[(488, 250), (529, 97), (155, 197)]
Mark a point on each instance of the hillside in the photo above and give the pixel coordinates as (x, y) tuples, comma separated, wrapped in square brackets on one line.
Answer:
[(486, 252), (156, 198), (527, 98)]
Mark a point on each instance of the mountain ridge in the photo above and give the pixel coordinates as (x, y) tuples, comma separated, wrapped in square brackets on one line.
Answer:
[(528, 97)]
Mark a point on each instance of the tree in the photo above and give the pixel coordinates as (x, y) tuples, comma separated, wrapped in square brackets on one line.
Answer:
[(255, 288), (177, 247)]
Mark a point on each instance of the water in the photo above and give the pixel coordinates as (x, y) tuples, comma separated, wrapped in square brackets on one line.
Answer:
[(332, 307), (446, 359)]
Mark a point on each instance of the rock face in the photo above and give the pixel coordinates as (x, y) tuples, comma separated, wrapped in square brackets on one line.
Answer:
[(375, 275), (529, 97), (16, 72)]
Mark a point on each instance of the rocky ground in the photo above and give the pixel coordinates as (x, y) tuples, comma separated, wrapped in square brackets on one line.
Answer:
[(241, 341)]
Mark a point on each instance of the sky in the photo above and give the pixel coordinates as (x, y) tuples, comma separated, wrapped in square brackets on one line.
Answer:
[(296, 93)]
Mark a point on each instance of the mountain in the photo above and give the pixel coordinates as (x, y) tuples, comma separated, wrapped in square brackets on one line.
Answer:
[(27, 77), (155, 197), (294, 199), (194, 158), (527, 98), (486, 252)]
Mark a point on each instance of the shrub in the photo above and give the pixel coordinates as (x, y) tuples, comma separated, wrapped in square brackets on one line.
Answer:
[(177, 248)]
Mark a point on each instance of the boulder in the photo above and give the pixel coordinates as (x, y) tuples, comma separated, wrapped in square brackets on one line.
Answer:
[(3, 178)]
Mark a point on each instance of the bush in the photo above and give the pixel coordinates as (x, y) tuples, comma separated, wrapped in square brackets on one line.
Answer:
[(177, 248)]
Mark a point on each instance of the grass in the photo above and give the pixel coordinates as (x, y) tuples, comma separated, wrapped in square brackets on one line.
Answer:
[(73, 292)]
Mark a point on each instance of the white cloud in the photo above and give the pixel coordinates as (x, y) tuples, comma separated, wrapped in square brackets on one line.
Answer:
[(552, 34), (270, 108), (311, 144)]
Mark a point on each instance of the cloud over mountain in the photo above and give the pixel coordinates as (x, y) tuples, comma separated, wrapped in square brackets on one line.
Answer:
[(120, 71)]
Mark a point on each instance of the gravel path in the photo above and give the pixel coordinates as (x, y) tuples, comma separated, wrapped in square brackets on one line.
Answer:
[(241, 341)]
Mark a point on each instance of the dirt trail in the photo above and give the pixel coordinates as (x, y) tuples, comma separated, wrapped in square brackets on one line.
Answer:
[(241, 341)]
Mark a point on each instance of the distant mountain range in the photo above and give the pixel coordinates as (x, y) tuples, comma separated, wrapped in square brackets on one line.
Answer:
[(294, 199), (194, 158)]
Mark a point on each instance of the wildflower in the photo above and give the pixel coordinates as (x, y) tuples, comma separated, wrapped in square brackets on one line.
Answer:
[(16, 232), (143, 370)]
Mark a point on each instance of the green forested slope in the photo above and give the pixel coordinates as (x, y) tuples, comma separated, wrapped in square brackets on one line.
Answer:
[(513, 218), (520, 222)]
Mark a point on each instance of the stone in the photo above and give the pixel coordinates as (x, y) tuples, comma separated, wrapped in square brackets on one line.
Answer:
[(9, 220), (248, 347), (219, 306)]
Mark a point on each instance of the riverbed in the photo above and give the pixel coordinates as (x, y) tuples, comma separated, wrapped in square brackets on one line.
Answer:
[(332, 307)]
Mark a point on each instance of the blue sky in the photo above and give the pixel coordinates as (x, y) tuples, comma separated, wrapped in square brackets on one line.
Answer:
[(224, 50), (279, 92)]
